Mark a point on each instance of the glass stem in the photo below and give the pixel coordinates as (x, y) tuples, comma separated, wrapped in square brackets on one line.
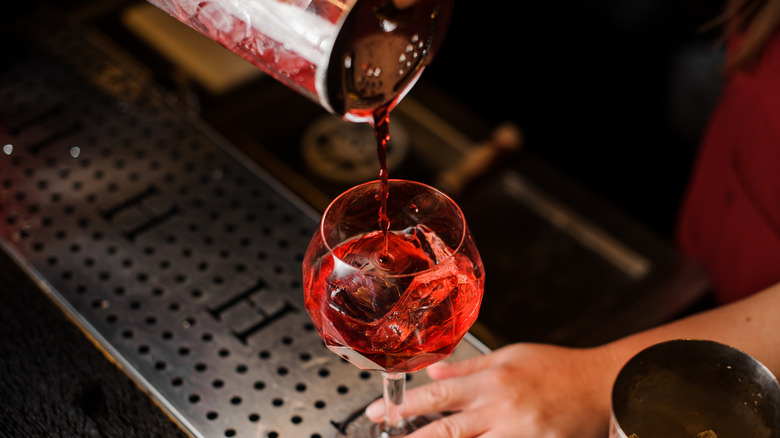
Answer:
[(394, 387)]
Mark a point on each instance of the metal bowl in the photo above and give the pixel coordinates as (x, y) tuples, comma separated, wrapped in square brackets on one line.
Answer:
[(695, 389)]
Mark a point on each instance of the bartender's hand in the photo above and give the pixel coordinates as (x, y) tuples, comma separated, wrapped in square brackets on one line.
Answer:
[(523, 390), (543, 391)]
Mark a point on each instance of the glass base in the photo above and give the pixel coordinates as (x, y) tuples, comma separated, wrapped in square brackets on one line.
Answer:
[(361, 427)]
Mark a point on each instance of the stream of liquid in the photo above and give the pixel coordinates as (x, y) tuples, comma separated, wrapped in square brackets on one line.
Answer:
[(382, 134)]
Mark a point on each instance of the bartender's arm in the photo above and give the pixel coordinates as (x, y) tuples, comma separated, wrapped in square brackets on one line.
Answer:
[(540, 391)]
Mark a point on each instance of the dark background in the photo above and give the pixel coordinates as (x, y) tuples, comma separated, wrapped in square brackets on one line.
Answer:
[(614, 93)]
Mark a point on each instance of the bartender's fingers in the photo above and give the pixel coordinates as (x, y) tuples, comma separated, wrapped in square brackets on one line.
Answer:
[(466, 424), (448, 395), (438, 396)]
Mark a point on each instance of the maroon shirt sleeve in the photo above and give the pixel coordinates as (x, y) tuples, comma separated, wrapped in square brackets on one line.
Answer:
[(730, 217)]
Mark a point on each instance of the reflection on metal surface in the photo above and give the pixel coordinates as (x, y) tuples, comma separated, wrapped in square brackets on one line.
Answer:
[(345, 152)]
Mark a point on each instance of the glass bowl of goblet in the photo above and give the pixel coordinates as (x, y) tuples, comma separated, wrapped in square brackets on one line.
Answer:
[(392, 292)]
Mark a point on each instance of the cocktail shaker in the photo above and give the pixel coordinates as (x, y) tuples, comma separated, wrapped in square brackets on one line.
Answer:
[(694, 388), (349, 56)]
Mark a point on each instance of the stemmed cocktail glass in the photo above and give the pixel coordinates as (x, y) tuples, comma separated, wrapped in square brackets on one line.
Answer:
[(394, 292)]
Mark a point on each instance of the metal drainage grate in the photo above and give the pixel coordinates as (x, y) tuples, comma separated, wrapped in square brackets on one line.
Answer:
[(180, 258)]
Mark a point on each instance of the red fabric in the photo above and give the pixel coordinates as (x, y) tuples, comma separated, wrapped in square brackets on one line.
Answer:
[(730, 218)]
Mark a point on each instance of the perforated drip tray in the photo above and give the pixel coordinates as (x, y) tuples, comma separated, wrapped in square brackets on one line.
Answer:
[(178, 257)]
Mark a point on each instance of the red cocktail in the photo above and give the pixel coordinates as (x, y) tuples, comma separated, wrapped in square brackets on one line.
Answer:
[(393, 298)]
